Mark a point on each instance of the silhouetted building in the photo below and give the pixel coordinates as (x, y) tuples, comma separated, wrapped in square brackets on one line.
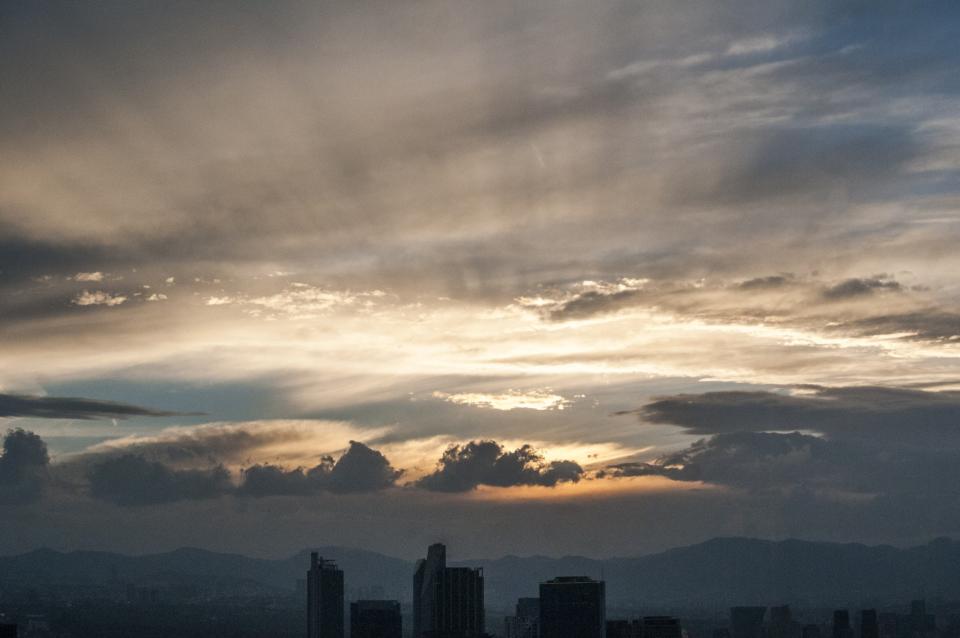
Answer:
[(722, 632), (747, 622), (572, 607), (810, 631), (921, 623), (447, 601), (375, 619), (8, 630), (869, 624), (661, 627), (324, 599), (889, 625), (525, 623), (624, 629), (841, 624), (782, 624)]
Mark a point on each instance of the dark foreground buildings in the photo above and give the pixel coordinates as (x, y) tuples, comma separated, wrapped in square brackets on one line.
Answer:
[(324, 599), (572, 607), (375, 619), (447, 601)]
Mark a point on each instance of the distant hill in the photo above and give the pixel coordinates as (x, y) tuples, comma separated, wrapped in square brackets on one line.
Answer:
[(716, 573)]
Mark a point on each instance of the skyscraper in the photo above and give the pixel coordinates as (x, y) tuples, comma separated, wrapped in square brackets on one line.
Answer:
[(869, 625), (747, 622), (447, 601), (375, 619), (841, 624), (324, 599), (525, 623), (661, 627), (572, 607)]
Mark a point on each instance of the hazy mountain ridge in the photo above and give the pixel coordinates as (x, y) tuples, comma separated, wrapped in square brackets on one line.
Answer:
[(718, 572)]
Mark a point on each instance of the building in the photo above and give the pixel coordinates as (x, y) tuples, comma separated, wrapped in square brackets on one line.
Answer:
[(8, 630), (375, 619), (810, 631), (525, 623), (572, 607), (661, 627), (447, 601), (324, 599), (869, 624), (623, 629), (841, 624), (782, 624), (747, 622)]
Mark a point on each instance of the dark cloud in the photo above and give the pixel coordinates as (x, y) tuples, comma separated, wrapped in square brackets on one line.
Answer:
[(594, 302), (360, 469), (859, 287), (910, 416), (23, 467), (72, 408), (928, 324), (465, 467), (132, 480)]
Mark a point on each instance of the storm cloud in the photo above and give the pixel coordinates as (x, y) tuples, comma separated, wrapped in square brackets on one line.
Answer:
[(23, 467), (20, 405), (465, 467), (132, 480), (360, 469)]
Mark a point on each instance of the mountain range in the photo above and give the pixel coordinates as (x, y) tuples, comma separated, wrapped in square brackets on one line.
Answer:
[(715, 573)]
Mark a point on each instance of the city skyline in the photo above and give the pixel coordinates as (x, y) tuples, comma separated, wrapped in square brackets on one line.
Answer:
[(550, 277)]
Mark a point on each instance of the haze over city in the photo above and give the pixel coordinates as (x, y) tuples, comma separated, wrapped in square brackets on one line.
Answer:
[(553, 277)]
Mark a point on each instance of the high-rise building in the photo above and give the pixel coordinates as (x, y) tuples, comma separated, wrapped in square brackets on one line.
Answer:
[(782, 624), (525, 623), (869, 624), (810, 631), (661, 627), (841, 624), (324, 599), (572, 607), (447, 601), (624, 628), (375, 619), (747, 622), (8, 630)]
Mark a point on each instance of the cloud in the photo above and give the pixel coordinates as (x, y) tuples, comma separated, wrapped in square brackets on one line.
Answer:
[(865, 412), (360, 469), (19, 405), (23, 467), (538, 399), (132, 480), (98, 298), (88, 276), (465, 467), (860, 287)]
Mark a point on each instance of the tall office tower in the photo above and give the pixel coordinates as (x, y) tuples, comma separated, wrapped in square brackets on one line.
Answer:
[(810, 631), (921, 623), (661, 627), (572, 607), (324, 599), (782, 624), (525, 623), (447, 601), (841, 624), (747, 622), (8, 630), (375, 619), (869, 624)]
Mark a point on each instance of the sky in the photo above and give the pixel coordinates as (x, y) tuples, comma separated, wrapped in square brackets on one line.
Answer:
[(550, 277)]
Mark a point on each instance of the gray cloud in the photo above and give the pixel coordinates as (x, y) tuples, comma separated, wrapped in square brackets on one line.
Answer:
[(909, 416), (465, 467), (360, 469), (859, 287), (23, 467), (132, 480), (19, 405)]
